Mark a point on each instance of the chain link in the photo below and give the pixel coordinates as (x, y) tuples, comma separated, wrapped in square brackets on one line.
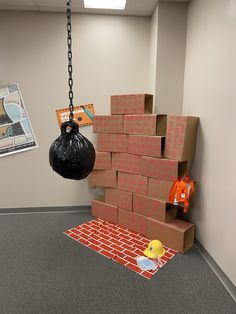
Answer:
[(70, 69)]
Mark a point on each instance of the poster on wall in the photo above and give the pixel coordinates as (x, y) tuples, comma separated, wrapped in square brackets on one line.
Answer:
[(83, 115), (16, 133)]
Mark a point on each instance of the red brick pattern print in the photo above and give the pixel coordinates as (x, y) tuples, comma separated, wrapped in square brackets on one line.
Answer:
[(132, 221), (124, 104), (159, 168), (145, 145), (108, 124), (175, 135), (100, 236), (119, 198), (104, 178), (140, 124), (112, 143), (132, 182), (126, 162), (104, 211), (159, 189), (149, 207), (102, 161)]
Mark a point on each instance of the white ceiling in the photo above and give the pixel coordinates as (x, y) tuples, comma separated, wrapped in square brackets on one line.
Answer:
[(133, 7)]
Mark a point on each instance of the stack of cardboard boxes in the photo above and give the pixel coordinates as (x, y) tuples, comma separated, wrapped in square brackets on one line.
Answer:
[(139, 156)]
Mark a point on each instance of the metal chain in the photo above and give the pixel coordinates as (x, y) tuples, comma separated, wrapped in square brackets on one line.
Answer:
[(70, 69)]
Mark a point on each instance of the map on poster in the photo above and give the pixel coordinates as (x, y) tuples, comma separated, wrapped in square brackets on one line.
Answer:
[(16, 134)]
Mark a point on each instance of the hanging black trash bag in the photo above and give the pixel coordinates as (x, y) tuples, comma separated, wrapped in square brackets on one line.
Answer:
[(72, 155)]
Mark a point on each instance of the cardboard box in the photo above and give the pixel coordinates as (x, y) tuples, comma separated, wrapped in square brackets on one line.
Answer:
[(131, 104), (181, 137), (177, 234), (132, 182), (146, 145), (159, 189), (103, 178), (163, 169), (102, 161), (126, 163), (108, 124), (112, 142), (161, 124), (119, 198), (153, 208), (104, 211), (140, 124), (132, 221)]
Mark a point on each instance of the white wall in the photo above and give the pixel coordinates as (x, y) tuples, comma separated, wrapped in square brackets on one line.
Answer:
[(210, 93), (172, 26), (111, 56), (168, 29), (153, 55)]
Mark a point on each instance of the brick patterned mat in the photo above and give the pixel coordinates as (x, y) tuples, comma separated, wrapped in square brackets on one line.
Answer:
[(116, 242)]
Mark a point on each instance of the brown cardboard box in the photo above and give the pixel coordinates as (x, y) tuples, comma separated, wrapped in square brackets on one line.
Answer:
[(112, 142), (132, 221), (132, 182), (146, 145), (140, 124), (126, 163), (177, 234), (163, 169), (161, 124), (102, 161), (104, 211), (131, 104), (153, 208), (119, 198), (159, 189), (181, 137), (108, 124), (103, 178)]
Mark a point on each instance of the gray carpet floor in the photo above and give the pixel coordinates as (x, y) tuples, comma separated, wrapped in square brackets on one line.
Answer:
[(44, 271)]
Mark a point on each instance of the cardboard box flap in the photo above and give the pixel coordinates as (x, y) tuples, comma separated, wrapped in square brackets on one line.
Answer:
[(148, 104), (183, 167), (161, 124), (190, 138), (181, 137)]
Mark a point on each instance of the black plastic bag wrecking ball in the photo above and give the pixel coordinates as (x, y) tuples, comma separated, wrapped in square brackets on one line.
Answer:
[(72, 155)]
